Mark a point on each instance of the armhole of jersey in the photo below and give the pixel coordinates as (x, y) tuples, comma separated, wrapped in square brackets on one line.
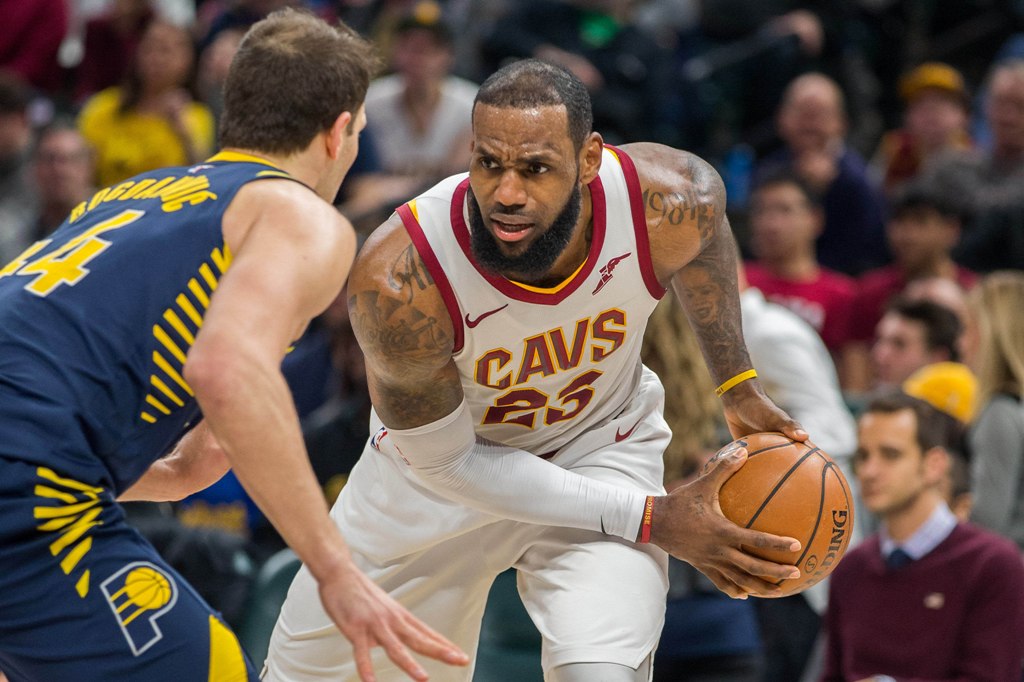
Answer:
[(636, 206), (419, 241)]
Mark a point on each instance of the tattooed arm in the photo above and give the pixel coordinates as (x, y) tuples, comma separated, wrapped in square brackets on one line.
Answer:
[(693, 251), (404, 331)]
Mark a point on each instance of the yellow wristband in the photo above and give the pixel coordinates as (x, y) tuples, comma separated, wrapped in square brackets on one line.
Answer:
[(738, 379)]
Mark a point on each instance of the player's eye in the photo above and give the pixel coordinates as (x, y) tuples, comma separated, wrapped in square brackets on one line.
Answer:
[(538, 168), (487, 163)]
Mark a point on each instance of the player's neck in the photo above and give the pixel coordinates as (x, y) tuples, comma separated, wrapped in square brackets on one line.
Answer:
[(300, 166)]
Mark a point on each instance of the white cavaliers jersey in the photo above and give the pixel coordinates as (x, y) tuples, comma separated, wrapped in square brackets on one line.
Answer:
[(540, 366)]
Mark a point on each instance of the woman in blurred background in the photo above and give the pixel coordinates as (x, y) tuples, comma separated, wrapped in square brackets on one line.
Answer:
[(154, 119), (995, 346)]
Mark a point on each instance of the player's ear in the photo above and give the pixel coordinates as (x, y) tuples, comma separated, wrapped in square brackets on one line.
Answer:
[(590, 157), (338, 134)]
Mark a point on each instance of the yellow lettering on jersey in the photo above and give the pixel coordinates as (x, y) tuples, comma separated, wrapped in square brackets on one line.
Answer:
[(66, 264), (154, 189), (97, 198), (147, 417), (138, 188), (187, 190), (77, 212), (18, 262), (118, 191)]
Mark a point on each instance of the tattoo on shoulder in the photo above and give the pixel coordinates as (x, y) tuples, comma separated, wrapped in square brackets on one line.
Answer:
[(408, 273), (677, 208), (405, 333)]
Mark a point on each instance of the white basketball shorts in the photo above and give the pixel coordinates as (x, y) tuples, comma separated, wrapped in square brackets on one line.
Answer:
[(594, 598)]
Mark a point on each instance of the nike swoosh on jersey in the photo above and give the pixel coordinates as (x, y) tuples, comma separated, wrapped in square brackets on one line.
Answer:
[(619, 436), (471, 323)]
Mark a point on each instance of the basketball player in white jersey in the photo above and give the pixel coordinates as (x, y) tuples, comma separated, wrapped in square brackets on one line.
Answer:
[(501, 314)]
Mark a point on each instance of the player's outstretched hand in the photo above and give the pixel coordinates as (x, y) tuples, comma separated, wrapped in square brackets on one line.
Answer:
[(369, 617), (688, 524), (748, 410)]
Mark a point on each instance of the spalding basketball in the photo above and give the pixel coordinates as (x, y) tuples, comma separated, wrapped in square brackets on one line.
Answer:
[(795, 490)]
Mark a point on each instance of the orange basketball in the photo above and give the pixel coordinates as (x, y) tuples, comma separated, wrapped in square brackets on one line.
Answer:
[(792, 489)]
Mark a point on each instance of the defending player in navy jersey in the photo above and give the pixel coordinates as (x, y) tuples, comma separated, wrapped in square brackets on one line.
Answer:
[(163, 306), (501, 313)]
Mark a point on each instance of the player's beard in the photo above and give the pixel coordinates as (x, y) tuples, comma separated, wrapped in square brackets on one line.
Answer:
[(539, 256)]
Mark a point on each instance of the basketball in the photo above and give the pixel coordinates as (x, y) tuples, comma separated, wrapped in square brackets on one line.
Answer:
[(795, 490)]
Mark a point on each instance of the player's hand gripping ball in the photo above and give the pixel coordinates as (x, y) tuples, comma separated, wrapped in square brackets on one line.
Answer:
[(795, 490)]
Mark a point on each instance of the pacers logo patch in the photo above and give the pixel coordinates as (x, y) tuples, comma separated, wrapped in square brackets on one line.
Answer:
[(138, 595)]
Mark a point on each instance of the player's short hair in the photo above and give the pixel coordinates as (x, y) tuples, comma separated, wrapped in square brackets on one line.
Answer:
[(935, 428), (292, 76), (533, 83)]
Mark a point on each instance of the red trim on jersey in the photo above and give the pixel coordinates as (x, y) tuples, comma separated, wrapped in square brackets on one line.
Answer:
[(511, 289), (419, 240), (636, 205)]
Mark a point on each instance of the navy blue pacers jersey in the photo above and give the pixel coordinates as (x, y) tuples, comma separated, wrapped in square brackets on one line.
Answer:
[(96, 322)]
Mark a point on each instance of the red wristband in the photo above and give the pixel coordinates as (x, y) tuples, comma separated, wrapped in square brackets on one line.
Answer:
[(645, 525)]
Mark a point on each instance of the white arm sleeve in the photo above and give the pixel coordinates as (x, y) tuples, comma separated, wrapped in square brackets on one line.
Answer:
[(512, 483)]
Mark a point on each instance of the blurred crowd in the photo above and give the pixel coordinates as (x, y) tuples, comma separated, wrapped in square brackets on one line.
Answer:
[(873, 153)]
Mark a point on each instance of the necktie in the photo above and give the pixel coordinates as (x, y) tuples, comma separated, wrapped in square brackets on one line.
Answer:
[(897, 558)]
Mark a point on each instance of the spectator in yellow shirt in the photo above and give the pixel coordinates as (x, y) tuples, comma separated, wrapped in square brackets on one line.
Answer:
[(153, 119)]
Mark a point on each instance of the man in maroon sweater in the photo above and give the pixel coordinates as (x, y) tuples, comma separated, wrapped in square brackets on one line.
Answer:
[(927, 598)]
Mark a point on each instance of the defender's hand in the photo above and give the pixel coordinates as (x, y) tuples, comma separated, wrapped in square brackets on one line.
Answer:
[(369, 617), (688, 524), (748, 410)]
